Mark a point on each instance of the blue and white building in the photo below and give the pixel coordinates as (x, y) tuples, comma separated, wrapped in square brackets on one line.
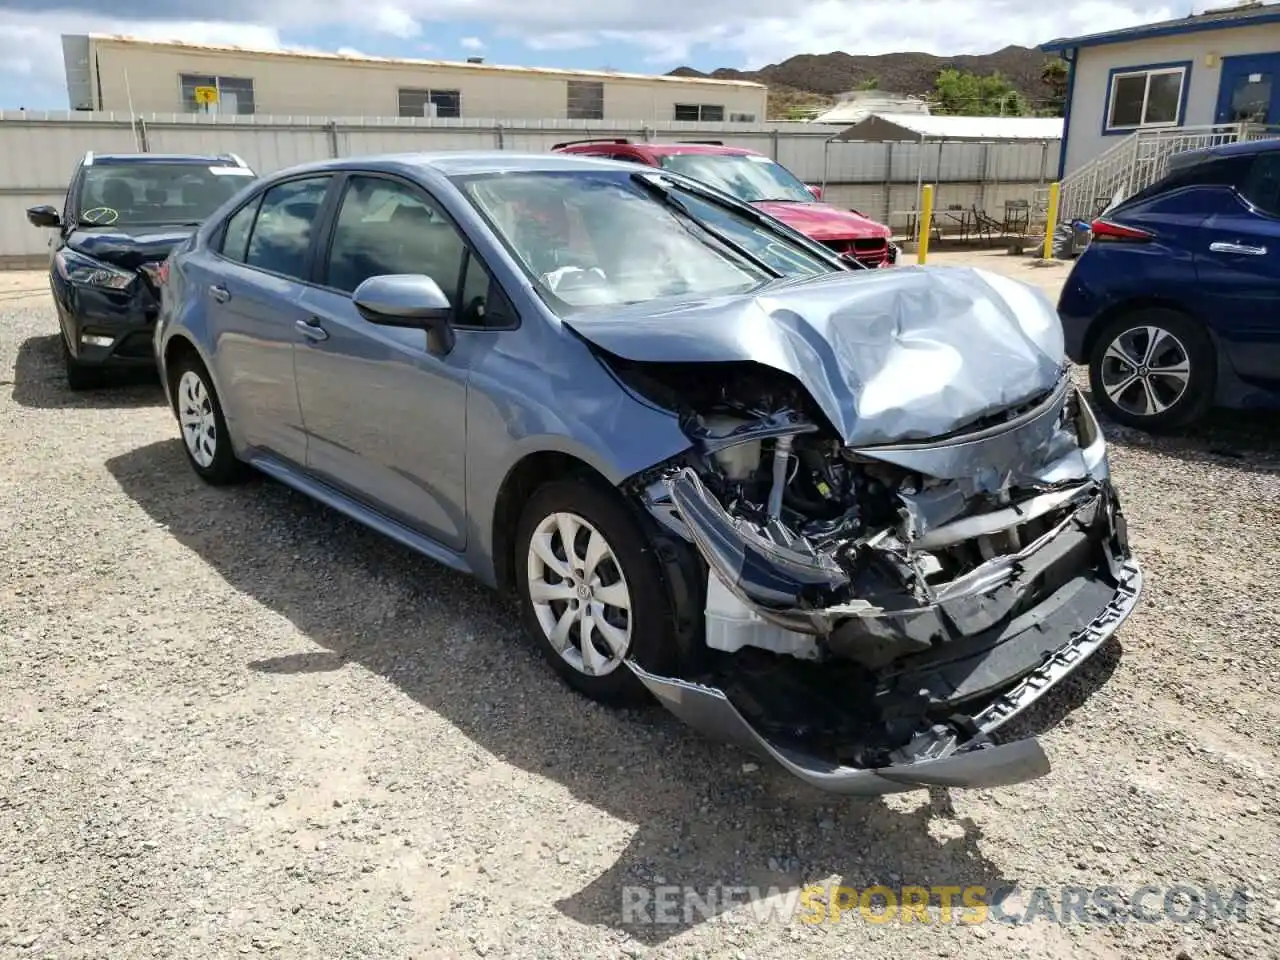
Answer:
[(1194, 74)]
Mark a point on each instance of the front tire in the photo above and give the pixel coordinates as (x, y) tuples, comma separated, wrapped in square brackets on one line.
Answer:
[(1154, 369), (204, 429), (591, 592)]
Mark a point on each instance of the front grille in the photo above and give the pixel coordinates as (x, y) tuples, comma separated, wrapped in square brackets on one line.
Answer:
[(871, 251)]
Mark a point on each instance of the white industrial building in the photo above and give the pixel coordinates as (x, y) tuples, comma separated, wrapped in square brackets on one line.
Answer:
[(124, 74)]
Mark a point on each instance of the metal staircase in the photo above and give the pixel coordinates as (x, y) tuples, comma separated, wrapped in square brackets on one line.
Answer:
[(1139, 160)]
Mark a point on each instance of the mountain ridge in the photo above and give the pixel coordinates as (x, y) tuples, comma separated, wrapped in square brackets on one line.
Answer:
[(818, 79)]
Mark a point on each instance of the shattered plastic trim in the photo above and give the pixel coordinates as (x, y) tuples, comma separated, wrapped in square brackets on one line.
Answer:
[(974, 764)]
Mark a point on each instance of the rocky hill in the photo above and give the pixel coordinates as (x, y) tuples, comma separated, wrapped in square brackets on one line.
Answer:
[(818, 78)]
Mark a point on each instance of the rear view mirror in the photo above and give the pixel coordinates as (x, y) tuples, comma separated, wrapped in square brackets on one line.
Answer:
[(44, 216), (408, 300), (815, 190)]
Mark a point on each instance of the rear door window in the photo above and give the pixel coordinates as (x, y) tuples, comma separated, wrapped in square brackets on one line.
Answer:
[(281, 236)]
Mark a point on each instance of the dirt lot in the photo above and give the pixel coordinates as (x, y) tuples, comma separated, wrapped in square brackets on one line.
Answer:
[(234, 723)]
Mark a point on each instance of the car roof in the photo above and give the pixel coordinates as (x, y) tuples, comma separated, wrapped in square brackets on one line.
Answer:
[(199, 159), (455, 163), (1237, 149)]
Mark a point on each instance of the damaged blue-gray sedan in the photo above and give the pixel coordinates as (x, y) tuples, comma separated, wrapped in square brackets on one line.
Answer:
[(852, 519)]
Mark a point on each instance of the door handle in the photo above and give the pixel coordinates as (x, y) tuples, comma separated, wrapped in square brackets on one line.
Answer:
[(311, 329), (1242, 249), (220, 293)]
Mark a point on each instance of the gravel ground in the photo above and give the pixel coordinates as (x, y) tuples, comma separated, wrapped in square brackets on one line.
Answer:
[(233, 723)]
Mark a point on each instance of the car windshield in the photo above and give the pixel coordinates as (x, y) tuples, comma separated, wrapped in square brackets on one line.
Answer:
[(154, 193), (748, 177), (601, 238)]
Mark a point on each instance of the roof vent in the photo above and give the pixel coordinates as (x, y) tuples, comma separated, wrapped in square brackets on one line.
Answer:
[(475, 59)]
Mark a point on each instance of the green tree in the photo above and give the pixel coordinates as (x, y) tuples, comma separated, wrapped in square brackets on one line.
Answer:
[(1054, 76), (965, 94), (871, 83)]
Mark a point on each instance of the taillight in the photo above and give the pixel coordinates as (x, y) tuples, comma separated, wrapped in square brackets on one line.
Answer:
[(1107, 231)]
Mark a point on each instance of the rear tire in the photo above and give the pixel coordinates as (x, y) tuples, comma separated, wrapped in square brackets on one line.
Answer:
[(1154, 369), (204, 429), (79, 376), (611, 587)]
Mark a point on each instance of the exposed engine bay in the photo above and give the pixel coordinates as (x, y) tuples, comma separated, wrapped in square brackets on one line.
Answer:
[(869, 607)]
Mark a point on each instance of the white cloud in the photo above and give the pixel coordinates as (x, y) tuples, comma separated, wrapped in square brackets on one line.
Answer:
[(741, 33), (393, 20)]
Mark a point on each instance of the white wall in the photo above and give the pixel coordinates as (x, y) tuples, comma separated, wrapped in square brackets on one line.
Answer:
[(39, 152), (331, 86), (1085, 139)]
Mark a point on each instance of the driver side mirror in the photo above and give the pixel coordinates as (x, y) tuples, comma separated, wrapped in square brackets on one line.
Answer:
[(815, 190), (409, 300), (44, 216)]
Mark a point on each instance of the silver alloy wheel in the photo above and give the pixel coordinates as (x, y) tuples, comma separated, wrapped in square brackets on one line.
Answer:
[(195, 413), (1145, 371), (579, 594)]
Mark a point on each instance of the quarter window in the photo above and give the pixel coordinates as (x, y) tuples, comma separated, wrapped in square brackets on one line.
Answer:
[(281, 234), (1261, 185), (1145, 98)]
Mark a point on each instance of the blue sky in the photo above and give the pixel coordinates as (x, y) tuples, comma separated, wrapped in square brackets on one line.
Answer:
[(648, 36)]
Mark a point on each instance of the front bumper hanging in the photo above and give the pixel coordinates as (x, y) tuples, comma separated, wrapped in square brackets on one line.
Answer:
[(975, 762)]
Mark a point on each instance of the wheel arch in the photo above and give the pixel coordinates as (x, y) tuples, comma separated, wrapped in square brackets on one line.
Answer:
[(1133, 305), (177, 349), (525, 476)]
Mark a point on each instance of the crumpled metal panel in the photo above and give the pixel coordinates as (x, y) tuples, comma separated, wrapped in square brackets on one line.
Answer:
[(889, 356)]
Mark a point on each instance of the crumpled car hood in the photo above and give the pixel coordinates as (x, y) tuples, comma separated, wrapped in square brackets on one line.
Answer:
[(128, 247), (889, 356)]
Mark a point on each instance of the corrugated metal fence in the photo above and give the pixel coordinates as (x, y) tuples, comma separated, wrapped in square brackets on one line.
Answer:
[(38, 153)]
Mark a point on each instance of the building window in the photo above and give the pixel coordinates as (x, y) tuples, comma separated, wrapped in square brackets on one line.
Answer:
[(700, 112), (235, 94), (585, 100), (742, 118), (1148, 97), (430, 103)]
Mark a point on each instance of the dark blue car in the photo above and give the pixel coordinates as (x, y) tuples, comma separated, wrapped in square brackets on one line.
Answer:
[(1175, 304), (123, 215)]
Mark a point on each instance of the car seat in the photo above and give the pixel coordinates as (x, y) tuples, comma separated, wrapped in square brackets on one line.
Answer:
[(116, 194)]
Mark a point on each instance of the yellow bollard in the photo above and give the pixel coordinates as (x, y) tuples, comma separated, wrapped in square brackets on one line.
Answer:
[(926, 223), (1051, 220)]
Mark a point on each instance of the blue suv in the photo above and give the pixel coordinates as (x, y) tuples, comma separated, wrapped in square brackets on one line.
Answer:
[(1175, 304)]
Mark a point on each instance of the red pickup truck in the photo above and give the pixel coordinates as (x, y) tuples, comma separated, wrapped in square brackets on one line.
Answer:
[(757, 179)]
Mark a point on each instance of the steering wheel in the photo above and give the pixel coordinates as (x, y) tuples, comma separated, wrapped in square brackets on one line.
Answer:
[(100, 216)]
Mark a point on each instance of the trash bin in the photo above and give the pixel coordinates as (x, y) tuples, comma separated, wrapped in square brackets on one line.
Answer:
[(1070, 239)]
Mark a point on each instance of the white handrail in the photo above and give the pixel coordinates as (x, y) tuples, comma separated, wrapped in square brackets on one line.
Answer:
[(1141, 159)]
